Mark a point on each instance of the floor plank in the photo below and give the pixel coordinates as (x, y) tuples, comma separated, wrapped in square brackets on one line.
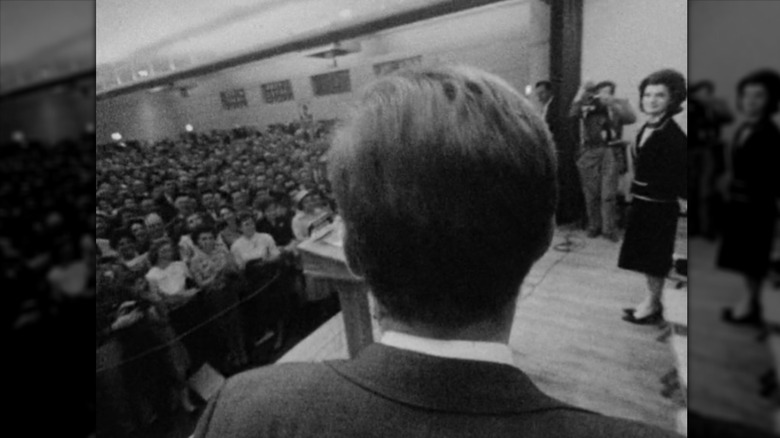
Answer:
[(725, 361)]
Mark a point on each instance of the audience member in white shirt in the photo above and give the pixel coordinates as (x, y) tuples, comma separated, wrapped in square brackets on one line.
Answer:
[(308, 212), (253, 247), (168, 278), (70, 273)]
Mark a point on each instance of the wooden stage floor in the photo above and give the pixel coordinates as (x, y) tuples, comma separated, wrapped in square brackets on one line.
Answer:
[(725, 361), (568, 334)]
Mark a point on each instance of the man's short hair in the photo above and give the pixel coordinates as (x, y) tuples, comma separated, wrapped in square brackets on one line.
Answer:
[(243, 217), (546, 84), (768, 79), (603, 84), (119, 235), (446, 180), (705, 84), (203, 229)]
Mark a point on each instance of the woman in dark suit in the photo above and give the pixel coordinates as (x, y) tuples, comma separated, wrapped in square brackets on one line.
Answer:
[(751, 187), (660, 180)]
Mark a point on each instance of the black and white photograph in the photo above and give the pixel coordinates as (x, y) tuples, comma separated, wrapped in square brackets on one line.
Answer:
[(391, 218), (734, 189), (47, 162)]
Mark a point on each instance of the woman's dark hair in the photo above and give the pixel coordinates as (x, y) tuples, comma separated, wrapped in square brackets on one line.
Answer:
[(200, 231), (770, 80), (243, 217), (674, 82), (154, 250), (119, 235)]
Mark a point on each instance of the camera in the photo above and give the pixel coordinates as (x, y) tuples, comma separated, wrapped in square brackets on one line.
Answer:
[(593, 103)]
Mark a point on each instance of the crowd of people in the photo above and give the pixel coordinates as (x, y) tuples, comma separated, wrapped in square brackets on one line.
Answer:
[(196, 258), (47, 261)]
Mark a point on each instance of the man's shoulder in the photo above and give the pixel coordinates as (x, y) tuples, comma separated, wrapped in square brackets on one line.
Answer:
[(287, 383), (577, 423), (253, 400), (279, 374), (308, 396)]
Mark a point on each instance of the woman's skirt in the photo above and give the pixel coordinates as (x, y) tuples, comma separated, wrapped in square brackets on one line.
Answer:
[(748, 235), (648, 245)]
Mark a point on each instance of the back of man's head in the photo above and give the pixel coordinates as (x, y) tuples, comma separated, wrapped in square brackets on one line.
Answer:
[(446, 180)]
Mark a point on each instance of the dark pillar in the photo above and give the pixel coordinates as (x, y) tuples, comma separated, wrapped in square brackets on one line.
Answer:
[(565, 72)]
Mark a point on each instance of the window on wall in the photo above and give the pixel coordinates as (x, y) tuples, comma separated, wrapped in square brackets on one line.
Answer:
[(336, 82), (275, 92), (232, 99), (387, 67)]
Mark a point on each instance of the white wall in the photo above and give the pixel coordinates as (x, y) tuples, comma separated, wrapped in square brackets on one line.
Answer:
[(625, 40), (510, 39), (730, 39), (49, 115)]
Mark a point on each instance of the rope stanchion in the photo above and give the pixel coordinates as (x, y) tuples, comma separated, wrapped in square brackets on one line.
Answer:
[(181, 336)]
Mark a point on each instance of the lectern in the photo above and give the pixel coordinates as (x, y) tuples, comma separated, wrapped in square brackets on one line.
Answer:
[(323, 258)]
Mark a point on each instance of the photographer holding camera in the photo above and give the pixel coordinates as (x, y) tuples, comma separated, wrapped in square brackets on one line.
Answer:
[(602, 158), (707, 114)]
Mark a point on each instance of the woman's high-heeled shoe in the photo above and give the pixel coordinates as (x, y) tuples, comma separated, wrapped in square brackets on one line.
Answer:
[(651, 319)]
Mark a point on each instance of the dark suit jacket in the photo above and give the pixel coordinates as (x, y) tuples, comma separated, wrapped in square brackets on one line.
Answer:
[(660, 164), (389, 392), (754, 163)]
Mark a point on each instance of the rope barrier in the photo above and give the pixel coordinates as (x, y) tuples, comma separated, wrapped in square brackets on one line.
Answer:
[(524, 297), (190, 331)]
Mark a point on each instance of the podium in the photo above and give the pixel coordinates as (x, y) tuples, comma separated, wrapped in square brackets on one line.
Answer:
[(323, 257)]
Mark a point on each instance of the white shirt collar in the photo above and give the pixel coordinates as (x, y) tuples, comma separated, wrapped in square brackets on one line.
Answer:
[(467, 350)]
